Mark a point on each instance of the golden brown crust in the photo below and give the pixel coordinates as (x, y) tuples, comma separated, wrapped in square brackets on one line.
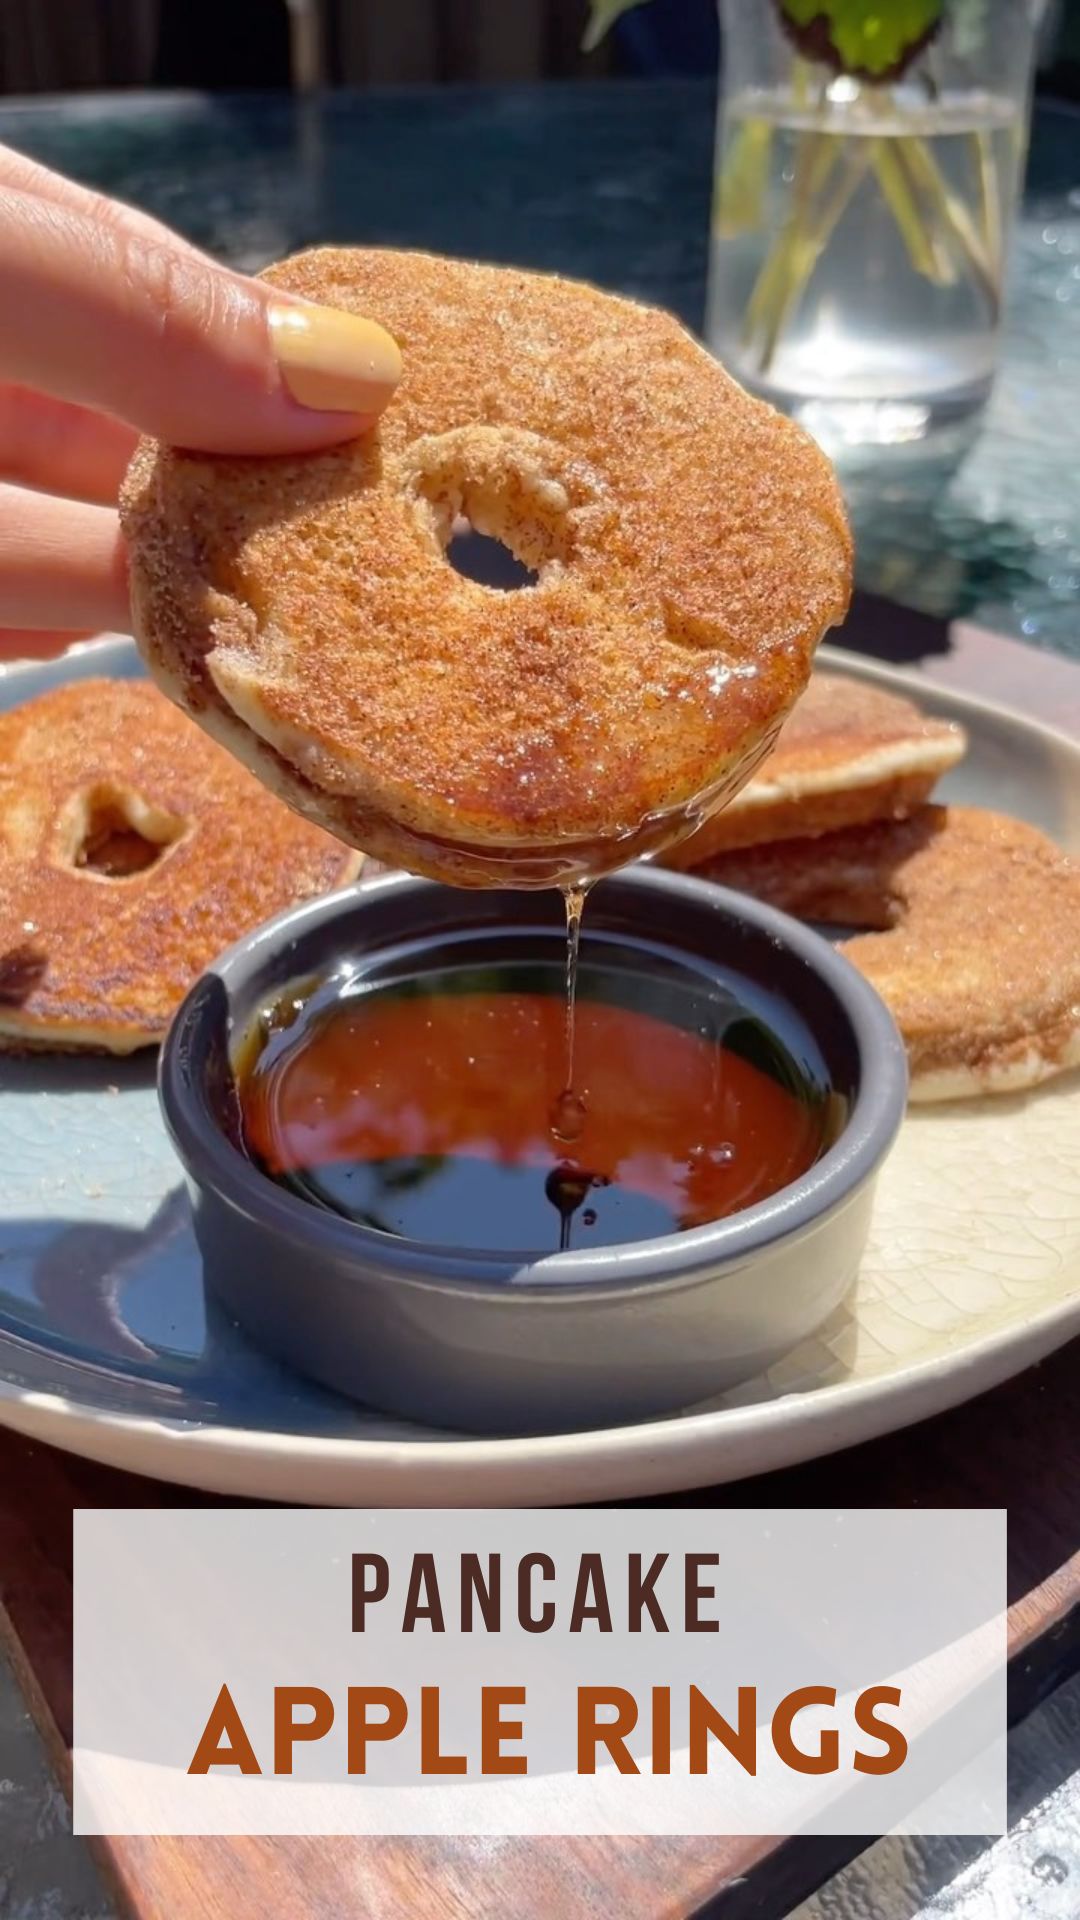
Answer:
[(849, 753), (977, 948), (89, 961), (691, 549)]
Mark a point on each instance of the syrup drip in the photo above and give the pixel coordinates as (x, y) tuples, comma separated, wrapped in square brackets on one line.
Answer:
[(570, 1109), (566, 1187)]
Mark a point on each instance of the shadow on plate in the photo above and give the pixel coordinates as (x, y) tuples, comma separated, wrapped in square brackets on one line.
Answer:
[(37, 1073), (117, 1320)]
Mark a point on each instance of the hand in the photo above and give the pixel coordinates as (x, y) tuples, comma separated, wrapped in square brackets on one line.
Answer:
[(113, 326)]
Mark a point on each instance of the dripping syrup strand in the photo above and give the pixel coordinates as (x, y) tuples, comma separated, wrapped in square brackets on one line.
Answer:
[(574, 899), (568, 1116)]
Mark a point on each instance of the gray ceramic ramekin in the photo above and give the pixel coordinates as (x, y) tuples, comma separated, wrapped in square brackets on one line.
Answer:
[(499, 1343)]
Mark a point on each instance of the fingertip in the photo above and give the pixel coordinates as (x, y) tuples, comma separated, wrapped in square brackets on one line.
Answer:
[(331, 361)]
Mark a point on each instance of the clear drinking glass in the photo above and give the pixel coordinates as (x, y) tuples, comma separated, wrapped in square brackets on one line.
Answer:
[(860, 226)]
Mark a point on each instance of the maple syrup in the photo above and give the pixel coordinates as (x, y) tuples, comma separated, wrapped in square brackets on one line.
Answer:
[(568, 1112), (419, 1100)]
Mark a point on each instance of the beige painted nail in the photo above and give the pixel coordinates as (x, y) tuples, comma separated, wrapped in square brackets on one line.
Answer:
[(334, 361)]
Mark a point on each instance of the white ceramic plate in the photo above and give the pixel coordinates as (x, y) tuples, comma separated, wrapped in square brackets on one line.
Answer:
[(107, 1346)]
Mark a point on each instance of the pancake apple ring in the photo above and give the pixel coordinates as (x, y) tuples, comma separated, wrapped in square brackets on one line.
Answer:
[(972, 941), (132, 850), (689, 548)]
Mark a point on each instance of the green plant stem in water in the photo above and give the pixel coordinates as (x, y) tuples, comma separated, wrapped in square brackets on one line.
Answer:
[(990, 204), (743, 179), (787, 270), (923, 242), (948, 216), (924, 250)]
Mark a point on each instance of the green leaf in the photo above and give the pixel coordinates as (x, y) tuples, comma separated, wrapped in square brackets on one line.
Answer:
[(602, 17), (874, 39)]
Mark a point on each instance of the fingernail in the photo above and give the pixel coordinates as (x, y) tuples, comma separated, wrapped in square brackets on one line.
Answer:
[(334, 361)]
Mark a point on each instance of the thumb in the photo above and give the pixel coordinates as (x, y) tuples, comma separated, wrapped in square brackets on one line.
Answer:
[(129, 320)]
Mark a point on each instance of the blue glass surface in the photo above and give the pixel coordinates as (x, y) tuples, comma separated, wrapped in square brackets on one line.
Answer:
[(611, 181)]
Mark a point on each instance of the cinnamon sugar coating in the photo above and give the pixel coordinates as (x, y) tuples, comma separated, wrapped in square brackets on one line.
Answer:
[(97, 951)]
